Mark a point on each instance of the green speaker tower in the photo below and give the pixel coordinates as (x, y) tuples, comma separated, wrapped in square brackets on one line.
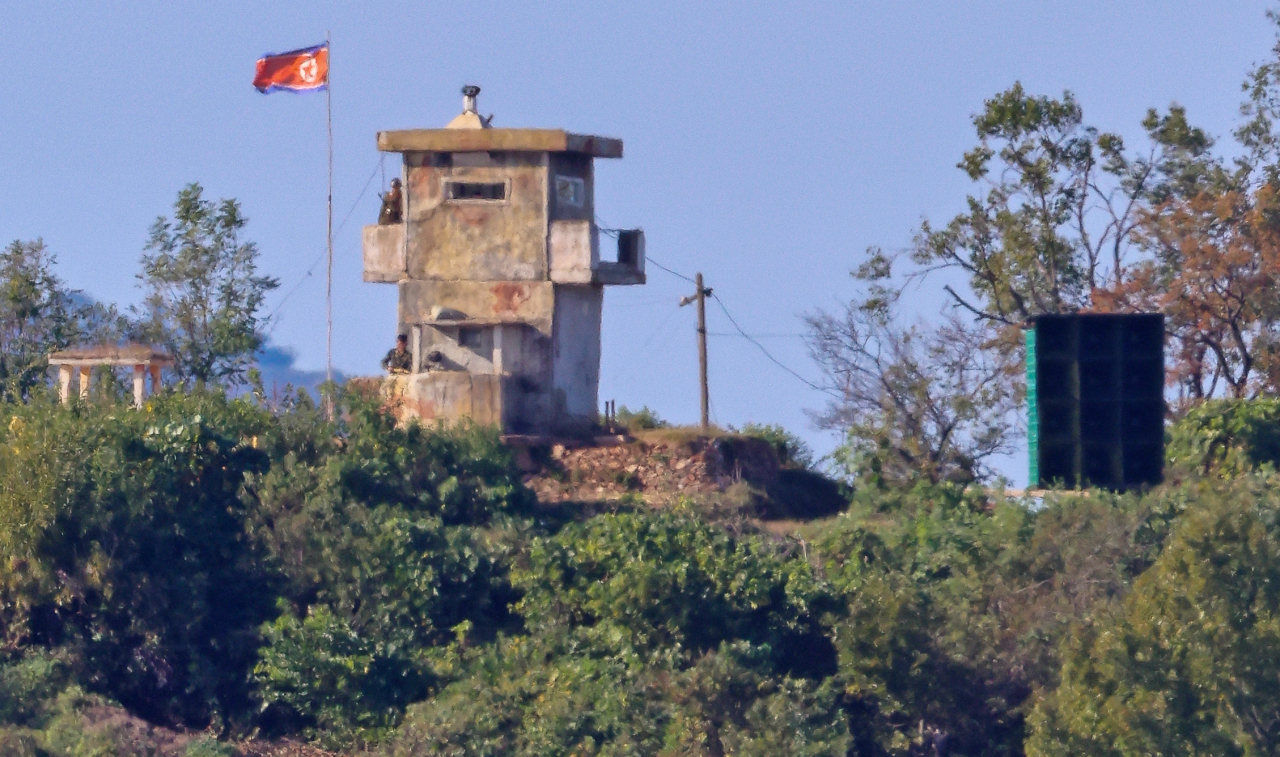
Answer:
[(1095, 395)]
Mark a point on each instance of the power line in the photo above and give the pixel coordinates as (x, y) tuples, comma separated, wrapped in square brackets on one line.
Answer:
[(658, 328), (649, 259), (742, 333), (766, 352), (321, 257)]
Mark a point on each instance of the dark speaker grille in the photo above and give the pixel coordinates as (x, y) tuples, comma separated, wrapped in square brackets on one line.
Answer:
[(1097, 383)]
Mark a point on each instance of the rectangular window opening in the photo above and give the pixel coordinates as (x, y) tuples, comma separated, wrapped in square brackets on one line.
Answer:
[(474, 190)]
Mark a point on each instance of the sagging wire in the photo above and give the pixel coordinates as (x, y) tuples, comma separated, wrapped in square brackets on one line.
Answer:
[(767, 354), (321, 256)]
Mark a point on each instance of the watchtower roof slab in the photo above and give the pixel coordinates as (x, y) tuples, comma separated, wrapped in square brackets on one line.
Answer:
[(498, 140)]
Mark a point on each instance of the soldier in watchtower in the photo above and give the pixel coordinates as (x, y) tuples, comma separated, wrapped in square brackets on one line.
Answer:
[(392, 204), (399, 359)]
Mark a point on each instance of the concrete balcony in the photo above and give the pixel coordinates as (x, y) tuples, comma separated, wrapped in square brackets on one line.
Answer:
[(384, 259), (574, 250)]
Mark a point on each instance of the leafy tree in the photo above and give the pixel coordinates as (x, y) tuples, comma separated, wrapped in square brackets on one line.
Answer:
[(912, 401), (38, 315), (125, 545), (1226, 438), (647, 634), (1055, 221), (203, 291), (1211, 235), (1053, 225), (1067, 219), (1213, 273), (375, 537), (1193, 665)]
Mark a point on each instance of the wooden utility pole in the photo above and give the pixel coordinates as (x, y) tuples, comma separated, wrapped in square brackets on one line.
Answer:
[(702, 353), (701, 298)]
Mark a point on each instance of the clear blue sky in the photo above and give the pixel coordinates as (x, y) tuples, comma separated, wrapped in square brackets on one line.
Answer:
[(767, 144)]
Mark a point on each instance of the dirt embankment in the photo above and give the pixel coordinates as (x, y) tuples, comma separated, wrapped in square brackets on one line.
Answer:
[(662, 467), (106, 729)]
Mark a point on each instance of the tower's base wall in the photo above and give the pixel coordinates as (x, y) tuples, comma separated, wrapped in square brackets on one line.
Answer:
[(487, 399)]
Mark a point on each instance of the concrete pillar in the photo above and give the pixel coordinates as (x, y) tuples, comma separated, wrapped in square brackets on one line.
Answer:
[(139, 384), (86, 380), (497, 350), (64, 383), (415, 344), (155, 378)]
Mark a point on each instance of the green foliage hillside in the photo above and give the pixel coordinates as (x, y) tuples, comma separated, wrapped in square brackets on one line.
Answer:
[(236, 567)]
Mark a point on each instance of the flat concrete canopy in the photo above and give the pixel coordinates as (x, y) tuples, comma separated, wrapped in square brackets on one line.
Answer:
[(498, 140), (127, 354)]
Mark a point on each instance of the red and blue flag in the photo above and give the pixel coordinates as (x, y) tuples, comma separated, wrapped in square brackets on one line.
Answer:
[(305, 70)]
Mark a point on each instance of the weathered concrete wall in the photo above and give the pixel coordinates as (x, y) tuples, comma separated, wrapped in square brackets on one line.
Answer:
[(478, 240), (576, 353), (453, 395), (384, 252), (524, 351), (531, 302), (574, 251)]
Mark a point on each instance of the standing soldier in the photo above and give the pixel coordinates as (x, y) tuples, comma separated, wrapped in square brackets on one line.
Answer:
[(391, 204), (399, 359)]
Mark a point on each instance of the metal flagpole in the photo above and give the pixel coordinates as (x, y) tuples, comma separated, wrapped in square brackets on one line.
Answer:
[(328, 291)]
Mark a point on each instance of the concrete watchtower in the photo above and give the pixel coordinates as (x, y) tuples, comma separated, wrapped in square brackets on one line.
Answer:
[(498, 265)]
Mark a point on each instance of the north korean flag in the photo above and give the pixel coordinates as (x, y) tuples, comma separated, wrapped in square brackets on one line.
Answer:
[(305, 70)]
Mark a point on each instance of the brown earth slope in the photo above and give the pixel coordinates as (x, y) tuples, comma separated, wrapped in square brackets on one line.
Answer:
[(662, 467)]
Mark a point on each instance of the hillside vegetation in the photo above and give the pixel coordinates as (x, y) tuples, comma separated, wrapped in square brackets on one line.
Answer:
[(228, 567)]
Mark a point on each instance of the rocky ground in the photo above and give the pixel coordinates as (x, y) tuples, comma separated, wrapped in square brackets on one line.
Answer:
[(660, 467), (101, 729)]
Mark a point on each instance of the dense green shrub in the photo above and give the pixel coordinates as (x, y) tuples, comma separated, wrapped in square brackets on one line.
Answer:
[(639, 420), (657, 580), (214, 561), (1226, 437), (28, 686), (648, 633), (548, 696), (207, 746), (958, 602), (124, 532), (1192, 665), (380, 545), (342, 684), (792, 451), (150, 547)]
